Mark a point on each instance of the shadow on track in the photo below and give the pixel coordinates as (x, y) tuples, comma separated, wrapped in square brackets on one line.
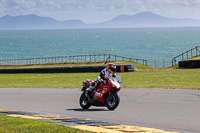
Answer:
[(86, 110)]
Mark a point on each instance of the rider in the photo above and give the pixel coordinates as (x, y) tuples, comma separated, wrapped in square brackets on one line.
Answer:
[(104, 76)]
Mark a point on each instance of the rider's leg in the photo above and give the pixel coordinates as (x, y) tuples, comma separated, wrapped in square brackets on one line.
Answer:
[(91, 88)]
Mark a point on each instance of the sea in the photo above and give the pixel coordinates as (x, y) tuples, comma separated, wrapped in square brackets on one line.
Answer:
[(139, 43)]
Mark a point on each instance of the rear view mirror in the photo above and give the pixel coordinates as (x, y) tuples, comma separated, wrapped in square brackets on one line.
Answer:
[(119, 79)]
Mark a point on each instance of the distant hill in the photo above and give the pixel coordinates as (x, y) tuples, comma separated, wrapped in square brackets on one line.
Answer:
[(148, 19), (140, 20), (36, 22)]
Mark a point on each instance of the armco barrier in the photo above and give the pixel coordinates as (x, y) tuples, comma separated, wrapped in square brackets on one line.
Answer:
[(189, 64), (75, 69)]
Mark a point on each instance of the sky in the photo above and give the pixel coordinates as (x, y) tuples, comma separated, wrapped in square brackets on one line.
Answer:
[(95, 11)]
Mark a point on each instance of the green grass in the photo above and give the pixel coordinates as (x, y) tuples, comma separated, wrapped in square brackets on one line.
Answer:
[(137, 66), (143, 77), (68, 64), (166, 78), (19, 125), (195, 58), (163, 78)]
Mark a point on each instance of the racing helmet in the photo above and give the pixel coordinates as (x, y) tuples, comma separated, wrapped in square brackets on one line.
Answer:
[(111, 67)]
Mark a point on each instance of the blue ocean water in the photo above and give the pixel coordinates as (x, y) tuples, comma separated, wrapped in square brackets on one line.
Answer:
[(152, 43)]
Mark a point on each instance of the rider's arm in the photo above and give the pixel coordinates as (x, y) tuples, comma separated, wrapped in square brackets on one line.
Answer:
[(103, 76)]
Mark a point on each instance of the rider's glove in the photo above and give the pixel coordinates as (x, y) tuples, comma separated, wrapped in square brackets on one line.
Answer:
[(107, 78), (107, 82)]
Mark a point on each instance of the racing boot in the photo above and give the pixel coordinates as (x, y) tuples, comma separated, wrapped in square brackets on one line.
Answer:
[(89, 91)]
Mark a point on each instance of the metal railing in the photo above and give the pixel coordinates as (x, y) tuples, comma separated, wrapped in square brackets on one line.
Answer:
[(159, 63), (103, 58), (69, 59), (186, 55)]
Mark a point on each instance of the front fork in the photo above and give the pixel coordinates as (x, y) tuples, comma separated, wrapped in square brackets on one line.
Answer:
[(110, 95)]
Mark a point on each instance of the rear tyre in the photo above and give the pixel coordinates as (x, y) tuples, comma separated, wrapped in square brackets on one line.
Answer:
[(84, 102), (112, 102)]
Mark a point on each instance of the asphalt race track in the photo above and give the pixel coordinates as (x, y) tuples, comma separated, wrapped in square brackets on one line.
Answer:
[(172, 110)]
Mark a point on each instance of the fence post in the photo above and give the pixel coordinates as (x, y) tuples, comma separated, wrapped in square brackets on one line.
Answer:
[(196, 51), (49, 60), (182, 57), (99, 57), (191, 53)]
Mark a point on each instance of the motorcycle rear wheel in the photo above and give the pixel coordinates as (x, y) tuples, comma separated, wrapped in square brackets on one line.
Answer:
[(84, 103), (112, 103)]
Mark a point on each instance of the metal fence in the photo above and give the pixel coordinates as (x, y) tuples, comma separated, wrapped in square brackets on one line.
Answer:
[(103, 58), (186, 55), (159, 62), (70, 59)]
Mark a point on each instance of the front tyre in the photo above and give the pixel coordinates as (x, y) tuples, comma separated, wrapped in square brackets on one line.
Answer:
[(84, 103), (113, 101)]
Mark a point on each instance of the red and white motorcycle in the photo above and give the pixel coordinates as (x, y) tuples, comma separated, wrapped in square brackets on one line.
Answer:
[(105, 95)]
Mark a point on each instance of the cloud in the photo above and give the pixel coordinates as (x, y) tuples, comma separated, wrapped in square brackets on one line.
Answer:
[(99, 10)]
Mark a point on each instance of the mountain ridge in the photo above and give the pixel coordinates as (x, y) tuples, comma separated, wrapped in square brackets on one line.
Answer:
[(149, 19), (139, 20), (33, 21)]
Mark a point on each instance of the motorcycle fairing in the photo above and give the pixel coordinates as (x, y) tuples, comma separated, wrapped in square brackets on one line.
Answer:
[(102, 92)]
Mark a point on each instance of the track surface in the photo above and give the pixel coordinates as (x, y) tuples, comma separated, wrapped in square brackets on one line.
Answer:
[(172, 110)]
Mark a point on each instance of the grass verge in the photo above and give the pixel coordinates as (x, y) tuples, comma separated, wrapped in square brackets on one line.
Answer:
[(163, 78), (143, 77), (21, 125), (166, 78), (118, 62)]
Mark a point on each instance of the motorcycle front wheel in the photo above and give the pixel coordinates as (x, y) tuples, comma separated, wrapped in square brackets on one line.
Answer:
[(112, 102), (84, 103)]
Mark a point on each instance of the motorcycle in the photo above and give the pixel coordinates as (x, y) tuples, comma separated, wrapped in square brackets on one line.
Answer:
[(105, 95)]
